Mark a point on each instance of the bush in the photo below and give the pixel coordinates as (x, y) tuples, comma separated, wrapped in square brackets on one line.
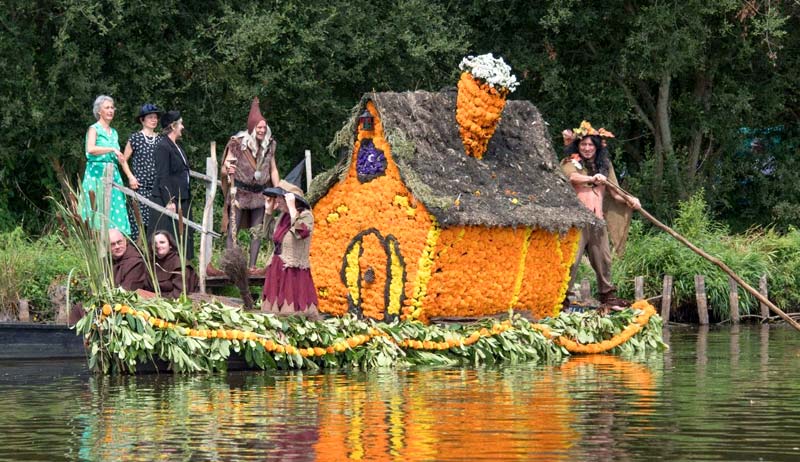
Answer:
[(653, 253), (29, 268)]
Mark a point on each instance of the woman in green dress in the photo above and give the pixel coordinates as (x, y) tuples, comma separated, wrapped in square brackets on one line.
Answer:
[(102, 148)]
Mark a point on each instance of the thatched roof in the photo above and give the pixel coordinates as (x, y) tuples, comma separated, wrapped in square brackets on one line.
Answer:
[(520, 163)]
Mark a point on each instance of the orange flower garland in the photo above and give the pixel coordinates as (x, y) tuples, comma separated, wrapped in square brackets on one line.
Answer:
[(632, 329), (478, 109), (453, 341)]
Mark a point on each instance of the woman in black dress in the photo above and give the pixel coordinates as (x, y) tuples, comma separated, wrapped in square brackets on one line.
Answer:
[(139, 153), (171, 184)]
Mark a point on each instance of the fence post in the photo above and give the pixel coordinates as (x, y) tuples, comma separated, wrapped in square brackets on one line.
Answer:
[(108, 184), (638, 290), (308, 169), (666, 298), (586, 290), (206, 240), (24, 315), (762, 286), (733, 297), (702, 301)]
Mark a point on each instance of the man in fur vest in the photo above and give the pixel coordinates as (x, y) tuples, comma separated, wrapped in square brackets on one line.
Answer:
[(249, 161)]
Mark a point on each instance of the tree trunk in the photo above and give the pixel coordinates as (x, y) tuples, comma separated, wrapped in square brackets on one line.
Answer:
[(702, 93)]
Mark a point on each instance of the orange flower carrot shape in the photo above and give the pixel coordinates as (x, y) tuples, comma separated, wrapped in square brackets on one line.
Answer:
[(482, 92)]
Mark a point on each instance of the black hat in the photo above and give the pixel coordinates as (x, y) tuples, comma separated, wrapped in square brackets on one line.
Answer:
[(169, 117), (147, 108), (285, 187)]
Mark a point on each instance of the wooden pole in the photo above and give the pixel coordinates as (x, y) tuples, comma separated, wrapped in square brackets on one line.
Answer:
[(702, 300), (308, 169), (108, 182), (733, 297), (638, 291), (586, 290), (666, 299), (713, 260), (206, 240), (23, 314), (762, 287), (131, 193)]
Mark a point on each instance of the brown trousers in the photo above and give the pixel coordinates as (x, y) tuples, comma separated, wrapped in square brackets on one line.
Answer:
[(594, 241)]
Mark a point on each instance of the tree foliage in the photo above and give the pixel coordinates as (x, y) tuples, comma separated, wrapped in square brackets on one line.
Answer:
[(677, 81)]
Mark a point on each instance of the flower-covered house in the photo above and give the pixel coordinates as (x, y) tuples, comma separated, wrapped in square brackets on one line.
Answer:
[(408, 224)]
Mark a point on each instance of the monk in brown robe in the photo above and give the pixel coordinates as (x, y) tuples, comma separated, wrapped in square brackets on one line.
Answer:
[(250, 160), (130, 272), (167, 266)]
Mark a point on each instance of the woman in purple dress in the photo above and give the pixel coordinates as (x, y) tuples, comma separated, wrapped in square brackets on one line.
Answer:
[(288, 286)]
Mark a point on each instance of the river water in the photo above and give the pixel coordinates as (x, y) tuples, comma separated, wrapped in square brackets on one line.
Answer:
[(719, 394)]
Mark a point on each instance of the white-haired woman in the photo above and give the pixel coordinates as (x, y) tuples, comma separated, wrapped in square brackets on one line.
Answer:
[(102, 149)]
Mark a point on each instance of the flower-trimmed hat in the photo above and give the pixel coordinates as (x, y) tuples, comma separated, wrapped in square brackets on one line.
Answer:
[(285, 187), (586, 129), (147, 109)]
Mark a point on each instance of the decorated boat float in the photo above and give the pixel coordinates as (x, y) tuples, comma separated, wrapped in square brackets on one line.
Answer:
[(444, 206)]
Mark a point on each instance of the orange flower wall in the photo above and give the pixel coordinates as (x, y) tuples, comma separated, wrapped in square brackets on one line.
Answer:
[(350, 208), (378, 251)]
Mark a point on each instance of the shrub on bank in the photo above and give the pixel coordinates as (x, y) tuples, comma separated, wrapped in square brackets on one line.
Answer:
[(29, 268), (652, 253)]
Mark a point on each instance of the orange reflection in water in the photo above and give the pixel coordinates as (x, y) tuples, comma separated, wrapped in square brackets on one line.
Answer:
[(508, 424), (464, 414)]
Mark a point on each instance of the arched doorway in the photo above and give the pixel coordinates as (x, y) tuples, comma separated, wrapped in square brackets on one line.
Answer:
[(374, 272)]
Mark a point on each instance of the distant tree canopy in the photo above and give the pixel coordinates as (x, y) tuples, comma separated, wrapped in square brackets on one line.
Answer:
[(684, 85)]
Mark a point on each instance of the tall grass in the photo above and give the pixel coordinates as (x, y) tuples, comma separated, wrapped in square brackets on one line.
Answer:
[(652, 253), (29, 268)]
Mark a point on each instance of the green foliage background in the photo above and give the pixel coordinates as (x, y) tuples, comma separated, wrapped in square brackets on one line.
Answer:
[(676, 81)]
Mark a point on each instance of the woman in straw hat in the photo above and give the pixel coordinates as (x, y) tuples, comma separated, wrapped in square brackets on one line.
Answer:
[(588, 168)]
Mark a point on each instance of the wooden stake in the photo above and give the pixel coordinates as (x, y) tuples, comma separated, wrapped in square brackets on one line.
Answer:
[(586, 290), (762, 287), (666, 299), (308, 169), (733, 297), (24, 315), (638, 291), (702, 300), (713, 260), (206, 240)]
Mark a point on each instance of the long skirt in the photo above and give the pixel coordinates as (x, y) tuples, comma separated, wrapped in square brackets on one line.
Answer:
[(288, 290)]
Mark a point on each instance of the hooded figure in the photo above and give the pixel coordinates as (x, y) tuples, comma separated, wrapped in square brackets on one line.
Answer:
[(249, 163)]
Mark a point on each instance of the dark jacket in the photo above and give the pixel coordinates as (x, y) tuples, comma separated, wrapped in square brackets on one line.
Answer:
[(170, 280), (172, 173)]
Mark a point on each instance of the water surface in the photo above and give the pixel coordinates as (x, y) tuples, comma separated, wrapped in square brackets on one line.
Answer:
[(723, 394)]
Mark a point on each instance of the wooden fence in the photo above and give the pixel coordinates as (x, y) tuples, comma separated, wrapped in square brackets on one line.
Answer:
[(700, 297)]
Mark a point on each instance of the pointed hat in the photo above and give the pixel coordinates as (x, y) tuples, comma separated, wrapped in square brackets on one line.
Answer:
[(255, 116)]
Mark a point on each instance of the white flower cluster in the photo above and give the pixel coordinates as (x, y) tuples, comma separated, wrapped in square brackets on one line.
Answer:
[(493, 71)]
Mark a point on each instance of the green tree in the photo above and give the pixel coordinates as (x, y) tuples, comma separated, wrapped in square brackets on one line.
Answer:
[(676, 80), (309, 62)]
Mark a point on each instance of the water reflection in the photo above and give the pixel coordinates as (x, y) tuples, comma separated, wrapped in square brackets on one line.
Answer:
[(719, 383)]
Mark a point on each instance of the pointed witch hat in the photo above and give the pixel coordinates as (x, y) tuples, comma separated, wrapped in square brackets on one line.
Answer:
[(255, 116)]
